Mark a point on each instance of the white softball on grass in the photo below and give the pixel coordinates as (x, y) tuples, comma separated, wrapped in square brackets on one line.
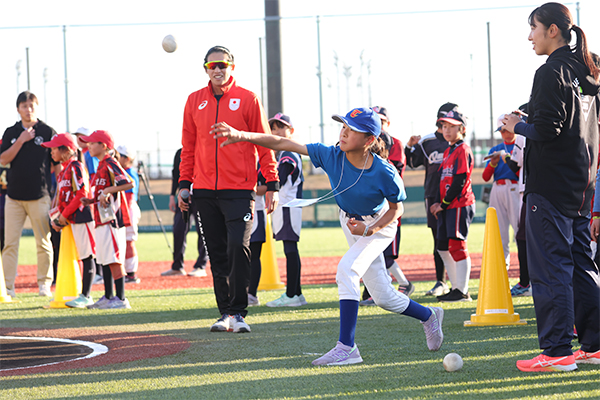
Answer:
[(169, 44), (453, 362)]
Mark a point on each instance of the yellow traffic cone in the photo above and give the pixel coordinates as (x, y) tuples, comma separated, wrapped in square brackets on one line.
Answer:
[(269, 278), (68, 276), (494, 302), (4, 296)]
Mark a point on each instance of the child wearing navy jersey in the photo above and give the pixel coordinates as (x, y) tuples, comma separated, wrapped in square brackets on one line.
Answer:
[(369, 193)]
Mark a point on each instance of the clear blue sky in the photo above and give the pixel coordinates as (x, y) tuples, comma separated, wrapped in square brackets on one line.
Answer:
[(121, 80)]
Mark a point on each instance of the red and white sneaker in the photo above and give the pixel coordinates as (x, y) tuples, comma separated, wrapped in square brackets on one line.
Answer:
[(582, 357), (544, 363)]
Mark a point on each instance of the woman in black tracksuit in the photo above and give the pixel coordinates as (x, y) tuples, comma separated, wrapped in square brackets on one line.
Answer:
[(560, 163)]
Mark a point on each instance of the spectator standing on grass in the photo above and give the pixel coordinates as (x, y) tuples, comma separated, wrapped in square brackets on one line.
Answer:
[(369, 192), (429, 152), (72, 184), (28, 191), (181, 228), (126, 158), (224, 181), (455, 206), (287, 221), (110, 181), (560, 162)]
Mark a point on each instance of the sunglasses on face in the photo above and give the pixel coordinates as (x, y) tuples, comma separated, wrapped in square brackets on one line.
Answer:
[(220, 64)]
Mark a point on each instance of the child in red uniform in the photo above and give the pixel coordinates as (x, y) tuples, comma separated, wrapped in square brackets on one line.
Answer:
[(455, 208), (72, 184), (109, 181)]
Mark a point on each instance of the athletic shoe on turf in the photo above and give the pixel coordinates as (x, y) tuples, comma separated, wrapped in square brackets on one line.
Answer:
[(433, 328), (223, 324), (253, 300), (45, 290), (439, 289), (11, 292), (454, 296), (302, 299), (80, 302), (582, 357), (544, 363), (285, 301), (340, 355), (519, 290), (116, 304), (239, 325), (197, 272), (100, 303), (174, 272), (132, 279), (98, 280), (407, 290), (367, 302)]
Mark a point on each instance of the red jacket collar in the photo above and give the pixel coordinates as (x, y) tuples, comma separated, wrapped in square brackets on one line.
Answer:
[(225, 88)]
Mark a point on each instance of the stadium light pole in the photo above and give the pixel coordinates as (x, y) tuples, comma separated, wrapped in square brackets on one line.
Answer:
[(490, 83), (45, 102), (18, 67), (320, 75), (66, 76)]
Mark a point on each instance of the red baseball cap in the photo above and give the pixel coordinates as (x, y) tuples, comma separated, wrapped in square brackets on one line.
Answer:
[(62, 139), (101, 137)]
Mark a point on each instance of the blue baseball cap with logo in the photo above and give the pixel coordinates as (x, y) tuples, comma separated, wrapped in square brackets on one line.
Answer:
[(363, 120)]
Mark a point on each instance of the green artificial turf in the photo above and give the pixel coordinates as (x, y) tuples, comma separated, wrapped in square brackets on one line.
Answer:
[(274, 360), (314, 242)]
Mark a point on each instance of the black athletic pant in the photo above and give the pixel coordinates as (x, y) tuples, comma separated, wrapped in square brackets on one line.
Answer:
[(227, 224), (180, 231), (440, 268)]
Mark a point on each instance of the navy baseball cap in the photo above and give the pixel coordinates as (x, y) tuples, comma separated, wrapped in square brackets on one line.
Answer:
[(454, 117), (284, 119), (364, 120), (382, 111)]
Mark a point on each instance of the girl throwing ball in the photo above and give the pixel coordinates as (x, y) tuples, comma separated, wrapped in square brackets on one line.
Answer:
[(369, 193)]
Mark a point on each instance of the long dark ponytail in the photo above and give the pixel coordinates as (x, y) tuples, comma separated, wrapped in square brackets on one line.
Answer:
[(559, 15)]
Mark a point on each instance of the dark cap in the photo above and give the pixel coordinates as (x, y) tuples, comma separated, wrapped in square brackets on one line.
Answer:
[(454, 117), (444, 109), (284, 119), (382, 111)]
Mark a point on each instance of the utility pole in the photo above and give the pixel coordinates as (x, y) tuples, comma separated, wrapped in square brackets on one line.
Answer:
[(273, 42), (490, 82)]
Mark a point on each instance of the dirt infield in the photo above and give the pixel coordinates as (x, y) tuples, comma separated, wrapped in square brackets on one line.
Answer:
[(315, 271), (123, 347)]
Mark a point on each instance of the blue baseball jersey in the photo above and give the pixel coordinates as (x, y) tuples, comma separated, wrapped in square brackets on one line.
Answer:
[(132, 172), (377, 184), (502, 171)]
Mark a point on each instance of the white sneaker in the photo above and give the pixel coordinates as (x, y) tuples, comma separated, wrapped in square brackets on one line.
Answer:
[(223, 324), (45, 290), (11, 292), (197, 272), (285, 301), (340, 355), (302, 299), (239, 325), (253, 300), (117, 303)]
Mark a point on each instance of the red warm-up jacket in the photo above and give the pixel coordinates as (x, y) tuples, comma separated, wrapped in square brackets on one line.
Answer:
[(233, 167)]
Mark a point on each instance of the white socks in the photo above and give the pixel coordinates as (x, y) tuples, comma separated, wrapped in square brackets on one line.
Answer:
[(463, 272), (450, 265)]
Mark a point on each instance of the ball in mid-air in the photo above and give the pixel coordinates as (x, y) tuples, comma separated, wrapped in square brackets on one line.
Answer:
[(169, 44), (453, 362)]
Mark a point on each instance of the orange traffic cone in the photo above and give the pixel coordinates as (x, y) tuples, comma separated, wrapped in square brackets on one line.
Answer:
[(494, 303), (269, 278), (68, 276), (4, 296)]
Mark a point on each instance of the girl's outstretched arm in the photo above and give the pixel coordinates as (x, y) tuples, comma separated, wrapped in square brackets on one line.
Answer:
[(273, 142)]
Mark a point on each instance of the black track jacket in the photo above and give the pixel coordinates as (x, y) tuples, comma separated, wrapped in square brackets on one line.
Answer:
[(561, 152)]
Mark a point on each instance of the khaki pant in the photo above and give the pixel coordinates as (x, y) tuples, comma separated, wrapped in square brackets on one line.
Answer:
[(16, 211)]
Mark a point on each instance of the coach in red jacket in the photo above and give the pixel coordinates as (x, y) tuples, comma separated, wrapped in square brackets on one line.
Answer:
[(224, 181)]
